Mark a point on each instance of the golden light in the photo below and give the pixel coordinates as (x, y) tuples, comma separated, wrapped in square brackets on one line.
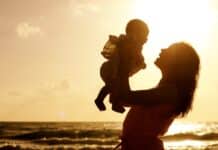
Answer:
[(178, 128), (175, 20), (61, 115), (185, 144), (181, 127)]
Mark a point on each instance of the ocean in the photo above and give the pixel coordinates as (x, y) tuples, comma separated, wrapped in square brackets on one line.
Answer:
[(99, 136)]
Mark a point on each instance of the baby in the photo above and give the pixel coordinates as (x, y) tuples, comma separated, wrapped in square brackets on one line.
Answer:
[(128, 46)]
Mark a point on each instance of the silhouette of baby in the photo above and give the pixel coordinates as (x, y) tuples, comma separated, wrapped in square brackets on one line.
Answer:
[(127, 46)]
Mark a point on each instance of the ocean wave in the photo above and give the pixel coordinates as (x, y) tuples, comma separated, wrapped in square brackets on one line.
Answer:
[(89, 141), (79, 134), (12, 147), (69, 134), (191, 136), (56, 147)]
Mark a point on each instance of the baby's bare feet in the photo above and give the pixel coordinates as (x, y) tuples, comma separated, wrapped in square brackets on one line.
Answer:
[(100, 105), (118, 108)]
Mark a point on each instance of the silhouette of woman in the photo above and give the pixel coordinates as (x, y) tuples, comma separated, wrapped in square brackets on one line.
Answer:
[(152, 111)]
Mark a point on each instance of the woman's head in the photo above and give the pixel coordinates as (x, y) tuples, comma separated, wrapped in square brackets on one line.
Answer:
[(180, 64), (179, 61)]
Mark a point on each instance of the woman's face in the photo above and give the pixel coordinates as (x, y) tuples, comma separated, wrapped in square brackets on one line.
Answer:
[(178, 59), (165, 58)]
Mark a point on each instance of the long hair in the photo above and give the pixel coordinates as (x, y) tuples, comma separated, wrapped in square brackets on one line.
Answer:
[(184, 72)]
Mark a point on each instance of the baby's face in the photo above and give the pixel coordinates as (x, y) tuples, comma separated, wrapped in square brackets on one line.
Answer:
[(140, 37)]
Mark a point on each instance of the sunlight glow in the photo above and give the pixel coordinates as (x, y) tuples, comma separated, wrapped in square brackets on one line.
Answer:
[(187, 143), (61, 115), (178, 127), (173, 20)]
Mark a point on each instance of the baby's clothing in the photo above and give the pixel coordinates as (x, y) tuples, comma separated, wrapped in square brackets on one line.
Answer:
[(111, 51), (115, 50)]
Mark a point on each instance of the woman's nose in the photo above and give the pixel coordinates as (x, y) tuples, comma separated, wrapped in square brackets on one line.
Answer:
[(161, 51)]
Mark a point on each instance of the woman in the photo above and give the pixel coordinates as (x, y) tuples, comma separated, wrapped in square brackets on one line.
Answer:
[(153, 111)]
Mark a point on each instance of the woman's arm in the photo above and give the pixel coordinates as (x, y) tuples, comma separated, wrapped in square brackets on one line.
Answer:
[(164, 94)]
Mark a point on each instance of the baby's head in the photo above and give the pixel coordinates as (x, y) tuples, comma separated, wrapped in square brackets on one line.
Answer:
[(137, 30)]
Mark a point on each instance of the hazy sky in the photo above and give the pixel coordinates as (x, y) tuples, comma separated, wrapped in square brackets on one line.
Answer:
[(50, 54)]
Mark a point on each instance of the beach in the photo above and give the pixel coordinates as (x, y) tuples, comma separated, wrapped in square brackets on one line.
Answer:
[(99, 135)]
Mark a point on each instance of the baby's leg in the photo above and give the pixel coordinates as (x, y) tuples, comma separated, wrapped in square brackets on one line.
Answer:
[(115, 100), (117, 107), (100, 98)]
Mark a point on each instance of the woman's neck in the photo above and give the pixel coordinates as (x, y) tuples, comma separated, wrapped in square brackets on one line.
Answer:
[(166, 79)]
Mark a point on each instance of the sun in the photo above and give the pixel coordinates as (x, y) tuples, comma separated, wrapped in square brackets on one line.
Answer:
[(62, 115), (174, 20)]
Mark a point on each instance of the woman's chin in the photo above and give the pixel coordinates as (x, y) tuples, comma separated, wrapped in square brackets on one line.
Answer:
[(156, 62)]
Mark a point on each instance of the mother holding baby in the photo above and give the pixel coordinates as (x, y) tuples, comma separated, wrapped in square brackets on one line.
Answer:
[(152, 111)]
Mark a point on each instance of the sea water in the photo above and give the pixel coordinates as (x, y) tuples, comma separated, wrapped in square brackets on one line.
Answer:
[(99, 136)]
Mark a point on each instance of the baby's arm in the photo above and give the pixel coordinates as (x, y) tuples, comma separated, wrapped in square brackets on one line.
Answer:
[(137, 63), (163, 94), (140, 61)]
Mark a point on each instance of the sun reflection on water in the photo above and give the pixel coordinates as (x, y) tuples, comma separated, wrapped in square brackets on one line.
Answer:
[(179, 127), (187, 144), (191, 136)]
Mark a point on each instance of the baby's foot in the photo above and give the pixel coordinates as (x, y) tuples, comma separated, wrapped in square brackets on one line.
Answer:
[(118, 108), (100, 105)]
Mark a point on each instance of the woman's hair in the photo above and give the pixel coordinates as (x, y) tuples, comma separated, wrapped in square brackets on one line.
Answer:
[(184, 71)]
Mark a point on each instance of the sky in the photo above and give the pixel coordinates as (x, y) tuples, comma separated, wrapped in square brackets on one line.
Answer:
[(50, 54)]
